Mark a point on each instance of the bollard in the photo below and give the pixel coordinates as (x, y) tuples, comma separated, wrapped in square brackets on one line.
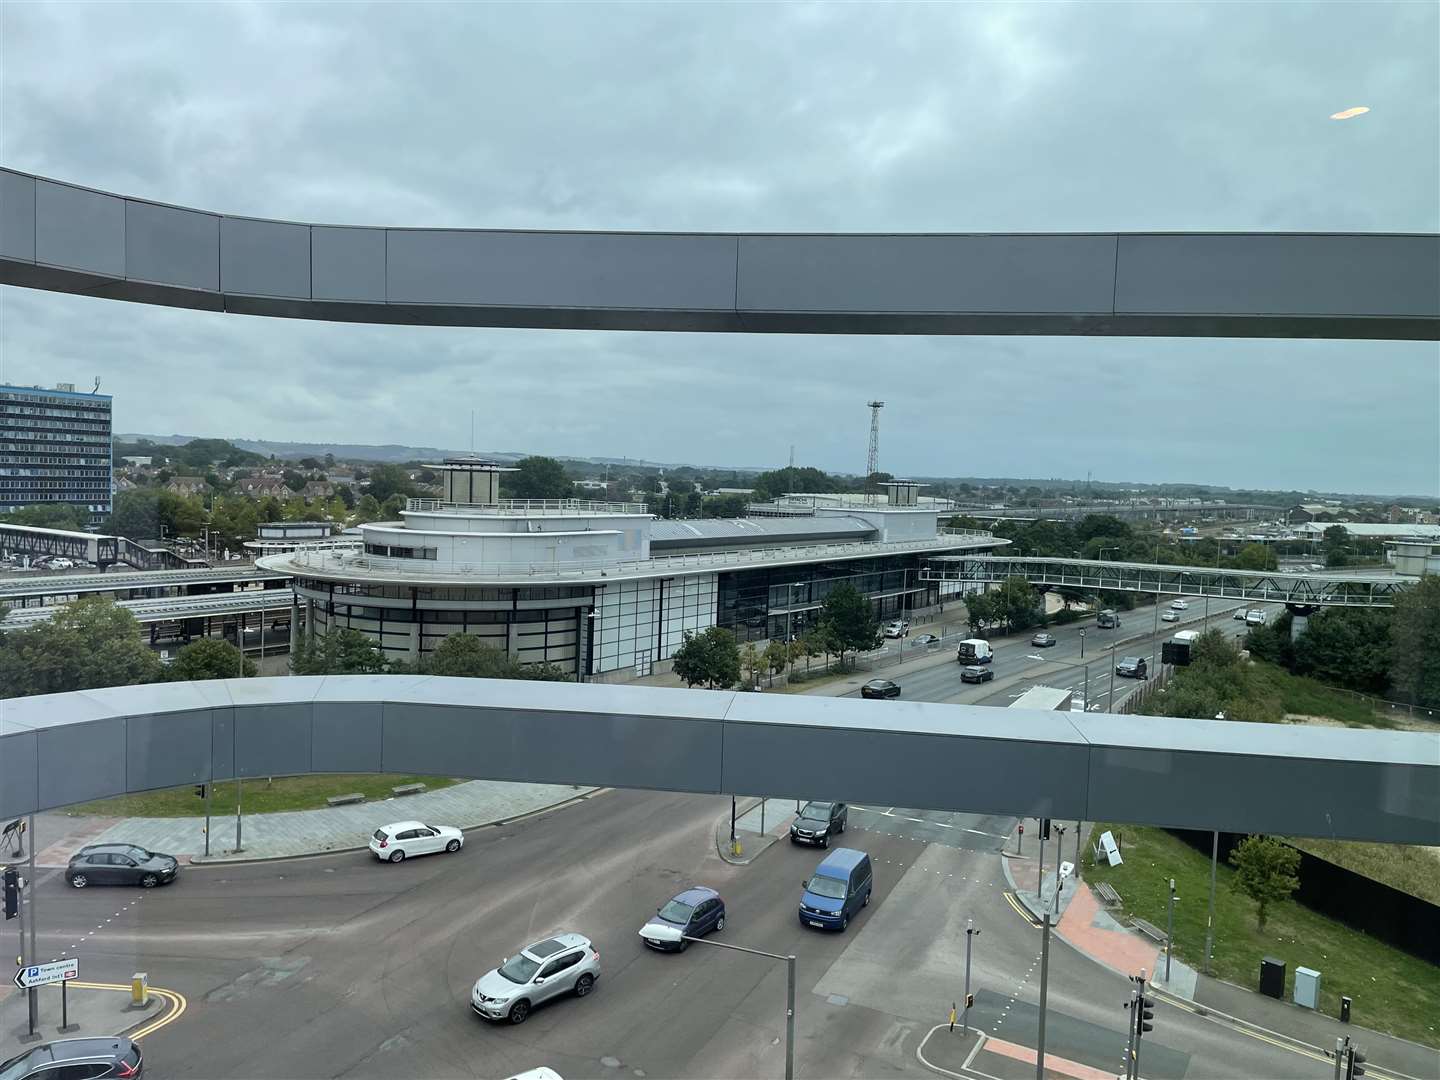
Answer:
[(140, 989)]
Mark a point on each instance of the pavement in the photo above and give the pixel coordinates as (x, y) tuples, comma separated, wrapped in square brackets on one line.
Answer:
[(91, 1010), (288, 834)]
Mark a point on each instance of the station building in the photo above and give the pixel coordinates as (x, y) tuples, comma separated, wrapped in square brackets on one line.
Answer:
[(606, 589)]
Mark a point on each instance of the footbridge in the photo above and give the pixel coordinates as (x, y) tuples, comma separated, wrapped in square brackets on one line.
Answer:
[(1129, 511), (94, 548), (60, 749), (65, 238), (1295, 590)]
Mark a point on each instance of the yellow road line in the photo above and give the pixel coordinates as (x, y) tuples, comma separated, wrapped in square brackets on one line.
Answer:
[(177, 1001), (1020, 910)]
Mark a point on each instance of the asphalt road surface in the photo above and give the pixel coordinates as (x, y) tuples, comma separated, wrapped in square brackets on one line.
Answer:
[(340, 966)]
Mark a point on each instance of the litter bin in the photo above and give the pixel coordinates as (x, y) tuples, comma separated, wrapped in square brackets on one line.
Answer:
[(1307, 987), (1272, 977), (1344, 1010)]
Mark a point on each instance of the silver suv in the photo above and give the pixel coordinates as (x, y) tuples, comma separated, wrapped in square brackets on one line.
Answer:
[(563, 964)]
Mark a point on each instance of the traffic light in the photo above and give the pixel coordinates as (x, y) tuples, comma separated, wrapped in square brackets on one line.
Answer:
[(199, 791), (1045, 828), (12, 892), (1354, 1064), (1147, 1013), (969, 1001)]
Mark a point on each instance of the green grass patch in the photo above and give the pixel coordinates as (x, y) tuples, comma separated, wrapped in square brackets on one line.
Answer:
[(1411, 869), (1391, 990), (261, 796), (1305, 696)]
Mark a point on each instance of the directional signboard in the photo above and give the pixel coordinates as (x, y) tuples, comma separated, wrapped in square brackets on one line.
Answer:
[(45, 974)]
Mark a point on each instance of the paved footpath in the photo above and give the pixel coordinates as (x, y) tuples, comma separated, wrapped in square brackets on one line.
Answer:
[(309, 832)]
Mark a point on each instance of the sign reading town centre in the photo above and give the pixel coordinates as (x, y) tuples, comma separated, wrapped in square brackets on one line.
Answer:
[(45, 974)]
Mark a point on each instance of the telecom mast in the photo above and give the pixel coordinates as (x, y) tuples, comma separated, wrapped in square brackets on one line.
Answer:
[(872, 459)]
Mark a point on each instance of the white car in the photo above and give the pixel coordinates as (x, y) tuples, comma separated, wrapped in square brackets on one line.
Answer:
[(1170, 616), (897, 629), (398, 841), (1179, 605), (1255, 617), (563, 964)]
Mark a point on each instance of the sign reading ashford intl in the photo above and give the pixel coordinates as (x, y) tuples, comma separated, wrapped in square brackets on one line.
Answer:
[(45, 974)]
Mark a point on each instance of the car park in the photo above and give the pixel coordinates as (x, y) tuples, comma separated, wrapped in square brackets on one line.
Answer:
[(120, 864), (817, 822), (399, 840), (839, 888), (77, 1059), (1132, 667), (976, 674), (927, 639), (1169, 616), (1179, 605), (1042, 640), (562, 964), (695, 912), (880, 688)]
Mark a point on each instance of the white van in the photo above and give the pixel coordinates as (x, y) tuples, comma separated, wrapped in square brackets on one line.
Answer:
[(974, 651)]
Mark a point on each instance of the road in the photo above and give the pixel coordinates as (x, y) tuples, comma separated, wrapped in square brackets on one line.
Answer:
[(342, 966)]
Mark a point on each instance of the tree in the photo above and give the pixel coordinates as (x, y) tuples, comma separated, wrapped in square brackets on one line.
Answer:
[(753, 661), (849, 620), (1017, 602), (470, 657), (981, 610), (725, 506), (390, 480), (367, 509), (1254, 557), (86, 644), (137, 514), (209, 658), (539, 478), (711, 657), (1346, 647), (1415, 642), (1271, 641), (50, 516), (1266, 871), (777, 658), (1095, 525), (294, 481), (340, 652)]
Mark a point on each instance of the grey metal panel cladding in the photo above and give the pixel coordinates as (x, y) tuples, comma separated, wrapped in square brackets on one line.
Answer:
[(510, 744), (272, 740), (79, 229), (171, 246), (906, 769), (1280, 274), (559, 270), (81, 762), (17, 216), (347, 264), (1041, 274), (167, 749), (222, 742), (264, 258), (17, 773), (345, 736)]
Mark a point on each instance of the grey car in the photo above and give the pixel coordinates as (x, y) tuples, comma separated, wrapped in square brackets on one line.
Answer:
[(74, 1059), (562, 964), (120, 864)]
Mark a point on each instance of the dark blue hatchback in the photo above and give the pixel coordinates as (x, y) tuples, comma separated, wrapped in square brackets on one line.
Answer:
[(695, 912)]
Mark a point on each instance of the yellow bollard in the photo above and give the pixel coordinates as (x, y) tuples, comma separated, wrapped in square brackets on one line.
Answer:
[(735, 848), (140, 988)]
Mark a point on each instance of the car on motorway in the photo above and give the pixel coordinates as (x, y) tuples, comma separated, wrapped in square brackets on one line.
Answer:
[(1043, 640), (1179, 605), (120, 864), (839, 888), (695, 912), (975, 674), (1255, 617), (562, 964), (1132, 667), (399, 840), (926, 639), (1169, 616), (77, 1059), (1239, 614), (880, 688), (897, 629), (817, 822)]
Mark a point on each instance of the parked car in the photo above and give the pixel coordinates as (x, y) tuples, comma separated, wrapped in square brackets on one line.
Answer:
[(1169, 616), (927, 639), (1042, 640), (897, 629), (817, 822), (1179, 605), (880, 688), (839, 888), (976, 674), (1132, 667), (120, 864), (563, 964), (77, 1059), (401, 839), (694, 912)]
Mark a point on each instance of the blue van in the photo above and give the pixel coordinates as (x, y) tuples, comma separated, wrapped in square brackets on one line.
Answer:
[(840, 888)]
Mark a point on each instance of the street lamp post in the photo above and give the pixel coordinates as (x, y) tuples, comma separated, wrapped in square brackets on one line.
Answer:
[(1110, 704), (970, 933), (1082, 643), (1210, 919), (1044, 982), (673, 934), (1170, 930)]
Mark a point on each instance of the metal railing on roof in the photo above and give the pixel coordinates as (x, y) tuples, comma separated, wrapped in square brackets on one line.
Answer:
[(525, 507)]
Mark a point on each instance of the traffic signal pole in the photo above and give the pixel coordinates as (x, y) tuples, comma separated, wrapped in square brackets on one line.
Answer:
[(34, 926)]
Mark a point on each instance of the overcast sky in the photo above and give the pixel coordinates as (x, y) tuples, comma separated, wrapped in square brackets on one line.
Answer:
[(749, 117)]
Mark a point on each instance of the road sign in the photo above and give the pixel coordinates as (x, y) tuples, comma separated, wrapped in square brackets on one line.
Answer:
[(45, 974)]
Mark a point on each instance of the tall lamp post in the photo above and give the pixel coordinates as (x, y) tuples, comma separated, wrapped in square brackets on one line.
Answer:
[(674, 935)]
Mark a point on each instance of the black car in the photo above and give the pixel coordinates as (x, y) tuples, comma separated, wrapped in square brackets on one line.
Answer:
[(880, 688), (817, 822), (120, 864), (77, 1059), (1132, 667), (926, 639), (1043, 640), (976, 674)]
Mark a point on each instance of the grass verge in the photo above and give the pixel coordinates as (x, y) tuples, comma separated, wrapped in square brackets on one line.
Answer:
[(1411, 869), (1391, 990), (1305, 696), (261, 796)]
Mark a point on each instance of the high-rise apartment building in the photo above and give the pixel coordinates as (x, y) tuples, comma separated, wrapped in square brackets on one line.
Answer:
[(55, 447)]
